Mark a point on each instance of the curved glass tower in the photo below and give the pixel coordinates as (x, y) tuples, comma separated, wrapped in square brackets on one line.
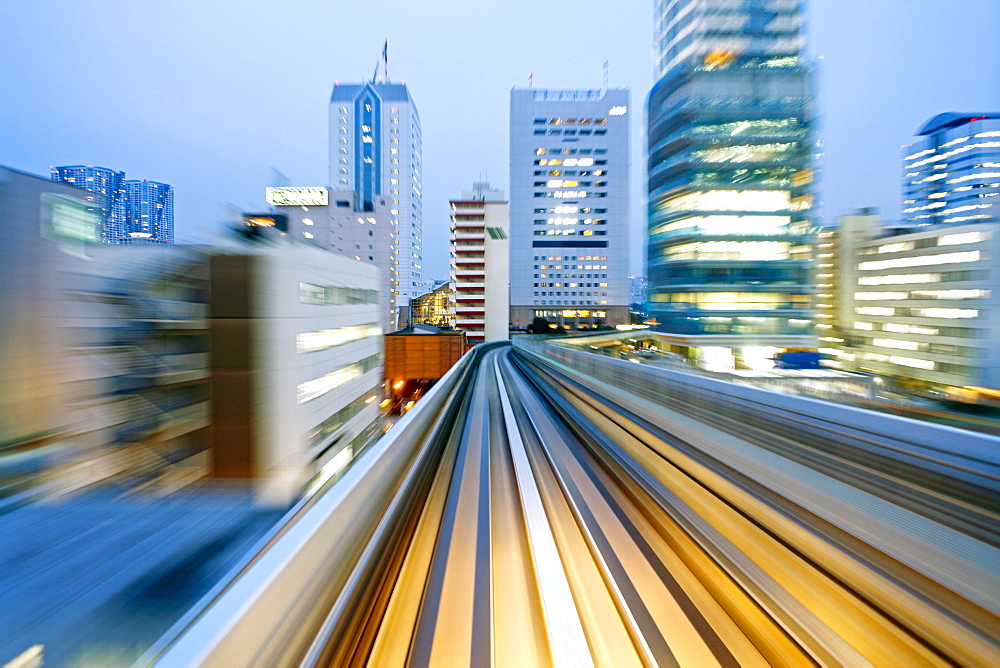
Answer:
[(729, 170)]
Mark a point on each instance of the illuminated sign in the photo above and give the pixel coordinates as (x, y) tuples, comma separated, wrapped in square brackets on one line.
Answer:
[(617, 111), (68, 218), (276, 220), (292, 196)]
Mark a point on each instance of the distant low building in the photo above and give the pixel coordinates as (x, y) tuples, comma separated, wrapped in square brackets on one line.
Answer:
[(436, 308), (416, 358), (918, 304)]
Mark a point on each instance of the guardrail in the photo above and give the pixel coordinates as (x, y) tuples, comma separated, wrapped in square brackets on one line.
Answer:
[(327, 552)]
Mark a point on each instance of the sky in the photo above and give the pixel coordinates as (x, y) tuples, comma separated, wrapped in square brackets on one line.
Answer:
[(212, 96)]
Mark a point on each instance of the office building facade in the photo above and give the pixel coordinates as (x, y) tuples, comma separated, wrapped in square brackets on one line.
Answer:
[(480, 263), (569, 207), (917, 304), (376, 151), (337, 221), (729, 172), (131, 211), (951, 175)]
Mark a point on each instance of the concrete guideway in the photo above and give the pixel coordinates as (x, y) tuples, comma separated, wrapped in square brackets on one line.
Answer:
[(550, 507)]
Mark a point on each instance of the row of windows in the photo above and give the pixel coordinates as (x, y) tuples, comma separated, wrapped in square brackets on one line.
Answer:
[(571, 221), (944, 313), (900, 328), (571, 194), (560, 183), (922, 346), (571, 151), (570, 162), (570, 172), (592, 302), (570, 132), (317, 387), (577, 258), (306, 342), (570, 121), (310, 293), (570, 233), (325, 429), (568, 208), (571, 293), (571, 285)]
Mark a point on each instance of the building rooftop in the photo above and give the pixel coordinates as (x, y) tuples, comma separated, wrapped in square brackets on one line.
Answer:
[(952, 119)]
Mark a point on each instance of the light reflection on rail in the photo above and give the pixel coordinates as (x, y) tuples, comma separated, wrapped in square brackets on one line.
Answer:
[(543, 508)]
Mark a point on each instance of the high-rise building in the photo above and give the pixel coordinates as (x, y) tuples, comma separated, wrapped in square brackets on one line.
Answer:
[(149, 211), (480, 263), (569, 206), (952, 174), (130, 210), (108, 197), (729, 171), (375, 150)]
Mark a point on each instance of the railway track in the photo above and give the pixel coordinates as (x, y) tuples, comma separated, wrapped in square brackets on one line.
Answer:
[(537, 518)]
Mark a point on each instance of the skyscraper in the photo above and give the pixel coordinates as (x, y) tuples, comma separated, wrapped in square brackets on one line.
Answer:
[(129, 210), (149, 211), (569, 207), (375, 150), (952, 174), (108, 198), (729, 171)]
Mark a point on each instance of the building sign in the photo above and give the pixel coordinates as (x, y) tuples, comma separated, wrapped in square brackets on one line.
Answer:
[(293, 196), (276, 220), (66, 218)]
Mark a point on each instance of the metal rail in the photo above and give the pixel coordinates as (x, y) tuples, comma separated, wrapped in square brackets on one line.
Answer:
[(540, 507)]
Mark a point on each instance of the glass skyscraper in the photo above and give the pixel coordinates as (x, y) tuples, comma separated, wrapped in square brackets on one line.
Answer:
[(952, 174), (729, 170), (129, 210)]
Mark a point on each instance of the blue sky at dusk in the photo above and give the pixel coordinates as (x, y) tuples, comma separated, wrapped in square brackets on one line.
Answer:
[(209, 96)]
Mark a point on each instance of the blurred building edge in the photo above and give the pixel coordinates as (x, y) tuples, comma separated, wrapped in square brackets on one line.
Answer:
[(415, 358), (435, 308), (151, 366), (730, 177), (919, 305), (480, 263)]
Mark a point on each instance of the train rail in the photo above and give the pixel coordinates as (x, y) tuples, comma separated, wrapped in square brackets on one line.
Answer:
[(543, 510)]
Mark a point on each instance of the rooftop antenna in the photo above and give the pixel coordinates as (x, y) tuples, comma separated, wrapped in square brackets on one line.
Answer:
[(605, 76), (375, 75), (530, 76), (385, 59)]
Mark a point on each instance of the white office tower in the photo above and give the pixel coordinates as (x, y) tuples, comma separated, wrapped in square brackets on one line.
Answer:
[(337, 221), (480, 263), (375, 150), (569, 207)]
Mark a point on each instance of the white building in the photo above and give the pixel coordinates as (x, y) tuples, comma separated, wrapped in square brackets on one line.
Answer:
[(569, 206), (918, 303), (337, 221), (480, 263), (375, 150), (296, 363)]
